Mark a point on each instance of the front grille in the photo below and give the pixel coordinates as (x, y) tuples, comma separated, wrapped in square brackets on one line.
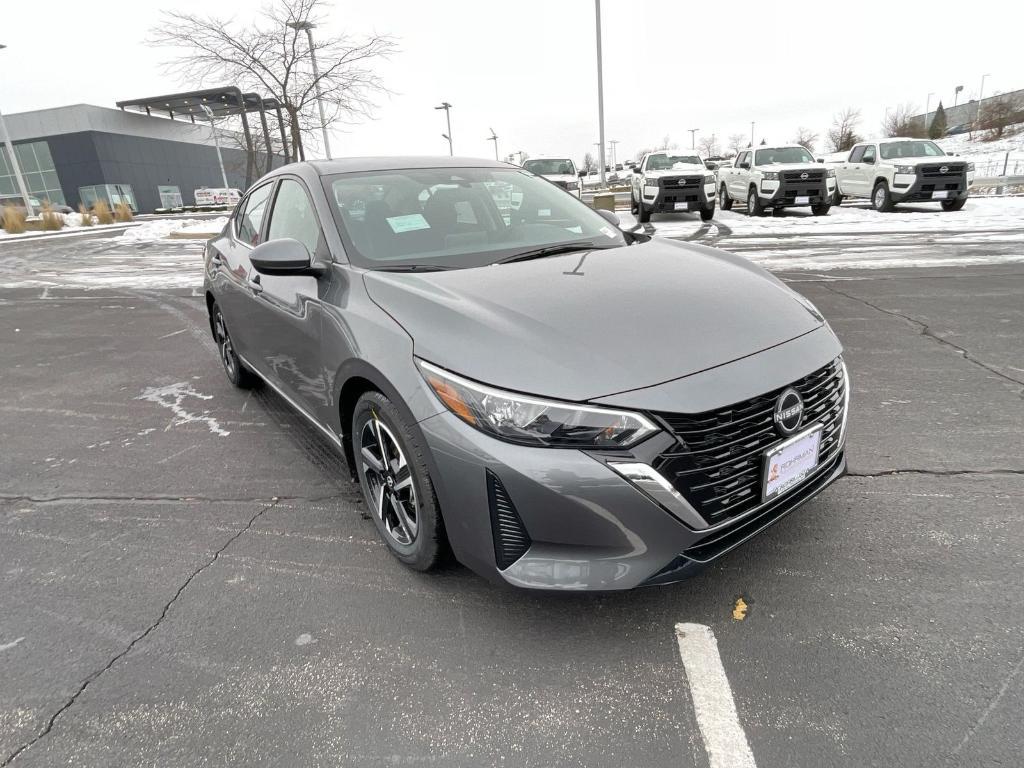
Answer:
[(812, 176), (510, 537), (935, 171), (683, 182), (718, 462)]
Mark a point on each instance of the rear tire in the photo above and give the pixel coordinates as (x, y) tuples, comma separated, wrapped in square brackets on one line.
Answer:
[(396, 483), (821, 210), (236, 371), (707, 212), (724, 201), (754, 207), (881, 200), (955, 204)]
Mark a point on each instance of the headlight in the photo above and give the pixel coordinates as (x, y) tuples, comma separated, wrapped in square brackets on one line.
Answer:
[(770, 175), (709, 177), (649, 182), (830, 173), (533, 421), (572, 185), (970, 166), (906, 169)]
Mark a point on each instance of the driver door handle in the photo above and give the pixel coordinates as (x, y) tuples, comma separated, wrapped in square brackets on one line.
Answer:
[(255, 285)]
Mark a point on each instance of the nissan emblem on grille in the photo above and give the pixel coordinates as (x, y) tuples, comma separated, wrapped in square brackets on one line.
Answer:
[(803, 176), (789, 412), (944, 169)]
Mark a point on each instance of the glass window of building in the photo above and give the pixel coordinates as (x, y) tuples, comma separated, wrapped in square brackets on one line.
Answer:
[(37, 169), (111, 194)]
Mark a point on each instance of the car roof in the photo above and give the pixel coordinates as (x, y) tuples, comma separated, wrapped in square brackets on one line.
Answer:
[(395, 163)]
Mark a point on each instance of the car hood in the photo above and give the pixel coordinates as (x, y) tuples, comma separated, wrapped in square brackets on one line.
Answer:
[(563, 177), (940, 160), (681, 170), (586, 325), (791, 167)]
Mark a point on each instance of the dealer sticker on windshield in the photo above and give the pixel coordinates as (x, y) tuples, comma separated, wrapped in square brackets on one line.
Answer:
[(789, 463), (408, 223)]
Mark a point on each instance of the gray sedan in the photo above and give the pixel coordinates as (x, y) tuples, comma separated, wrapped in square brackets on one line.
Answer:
[(516, 381)]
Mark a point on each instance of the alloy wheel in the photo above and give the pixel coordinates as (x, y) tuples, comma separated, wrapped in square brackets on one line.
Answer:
[(389, 481), (879, 196), (224, 347)]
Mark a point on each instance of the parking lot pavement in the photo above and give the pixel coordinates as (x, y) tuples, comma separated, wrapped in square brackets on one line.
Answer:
[(188, 578)]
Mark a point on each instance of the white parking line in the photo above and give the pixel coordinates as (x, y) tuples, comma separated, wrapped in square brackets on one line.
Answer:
[(724, 739)]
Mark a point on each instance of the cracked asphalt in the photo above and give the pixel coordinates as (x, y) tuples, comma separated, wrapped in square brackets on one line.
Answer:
[(188, 577)]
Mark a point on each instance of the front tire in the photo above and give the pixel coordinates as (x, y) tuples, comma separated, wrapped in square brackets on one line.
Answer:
[(633, 208), (396, 483), (754, 207), (837, 199), (955, 204), (881, 200), (707, 212), (234, 368), (643, 214), (724, 201)]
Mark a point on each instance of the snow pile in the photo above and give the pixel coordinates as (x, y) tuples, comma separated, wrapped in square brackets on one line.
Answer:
[(989, 157), (159, 229)]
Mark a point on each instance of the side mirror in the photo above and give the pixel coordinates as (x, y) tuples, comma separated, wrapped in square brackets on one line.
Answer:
[(581, 174), (745, 166), (610, 216), (283, 257), (821, 159), (868, 160), (636, 169)]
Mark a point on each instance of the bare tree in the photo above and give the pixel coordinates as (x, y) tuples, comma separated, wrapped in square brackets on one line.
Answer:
[(806, 138), (589, 163), (999, 112), (737, 141), (667, 143), (708, 145), (903, 121), (843, 133), (270, 57)]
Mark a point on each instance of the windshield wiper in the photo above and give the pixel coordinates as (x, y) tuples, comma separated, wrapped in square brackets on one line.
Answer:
[(413, 268), (549, 250)]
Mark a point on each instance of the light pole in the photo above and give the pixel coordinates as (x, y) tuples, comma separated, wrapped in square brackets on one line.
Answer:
[(216, 143), (29, 210), (693, 137), (448, 119), (615, 154), (956, 94), (494, 137), (600, 95), (307, 27), (751, 133), (981, 95), (927, 106)]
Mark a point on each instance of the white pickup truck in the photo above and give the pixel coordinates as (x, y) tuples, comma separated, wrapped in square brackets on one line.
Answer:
[(776, 177), (670, 182), (898, 170), (560, 171)]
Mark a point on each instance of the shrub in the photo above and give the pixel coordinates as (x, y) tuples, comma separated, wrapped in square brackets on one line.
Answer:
[(51, 220), (86, 216), (122, 212), (14, 220), (102, 212)]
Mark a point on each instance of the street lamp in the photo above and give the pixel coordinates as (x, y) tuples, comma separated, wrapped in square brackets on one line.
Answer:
[(927, 105), (29, 211), (448, 119), (981, 95), (693, 137), (216, 143), (956, 94), (600, 95), (751, 133), (494, 137), (614, 153), (307, 27)]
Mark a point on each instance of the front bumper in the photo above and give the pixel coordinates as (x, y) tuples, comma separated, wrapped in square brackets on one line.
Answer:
[(911, 188), (669, 197), (567, 520), (784, 193)]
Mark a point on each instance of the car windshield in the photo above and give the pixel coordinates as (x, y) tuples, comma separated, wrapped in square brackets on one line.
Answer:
[(896, 149), (449, 218), (667, 162), (782, 155), (549, 167)]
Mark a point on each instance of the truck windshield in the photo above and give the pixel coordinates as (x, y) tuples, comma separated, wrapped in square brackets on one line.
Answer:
[(895, 149), (666, 162), (782, 155), (548, 167)]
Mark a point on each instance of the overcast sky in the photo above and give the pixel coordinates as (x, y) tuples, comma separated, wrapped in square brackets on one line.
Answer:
[(527, 68)]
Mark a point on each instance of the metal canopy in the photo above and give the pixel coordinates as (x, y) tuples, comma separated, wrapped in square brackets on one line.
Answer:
[(225, 101)]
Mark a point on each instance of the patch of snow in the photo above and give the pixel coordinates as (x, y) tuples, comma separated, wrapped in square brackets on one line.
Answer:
[(159, 229), (172, 396)]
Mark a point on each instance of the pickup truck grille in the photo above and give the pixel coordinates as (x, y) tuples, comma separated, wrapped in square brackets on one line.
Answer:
[(812, 176), (935, 171), (683, 182), (718, 462)]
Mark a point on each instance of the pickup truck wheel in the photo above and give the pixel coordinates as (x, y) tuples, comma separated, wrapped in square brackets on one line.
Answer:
[(724, 201), (821, 210), (881, 200), (632, 204), (837, 199), (707, 212), (754, 207), (954, 205), (643, 214)]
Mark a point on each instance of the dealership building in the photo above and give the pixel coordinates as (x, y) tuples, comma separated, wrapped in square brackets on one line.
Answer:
[(83, 153)]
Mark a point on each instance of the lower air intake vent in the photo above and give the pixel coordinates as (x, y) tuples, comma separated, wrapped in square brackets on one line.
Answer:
[(510, 537)]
